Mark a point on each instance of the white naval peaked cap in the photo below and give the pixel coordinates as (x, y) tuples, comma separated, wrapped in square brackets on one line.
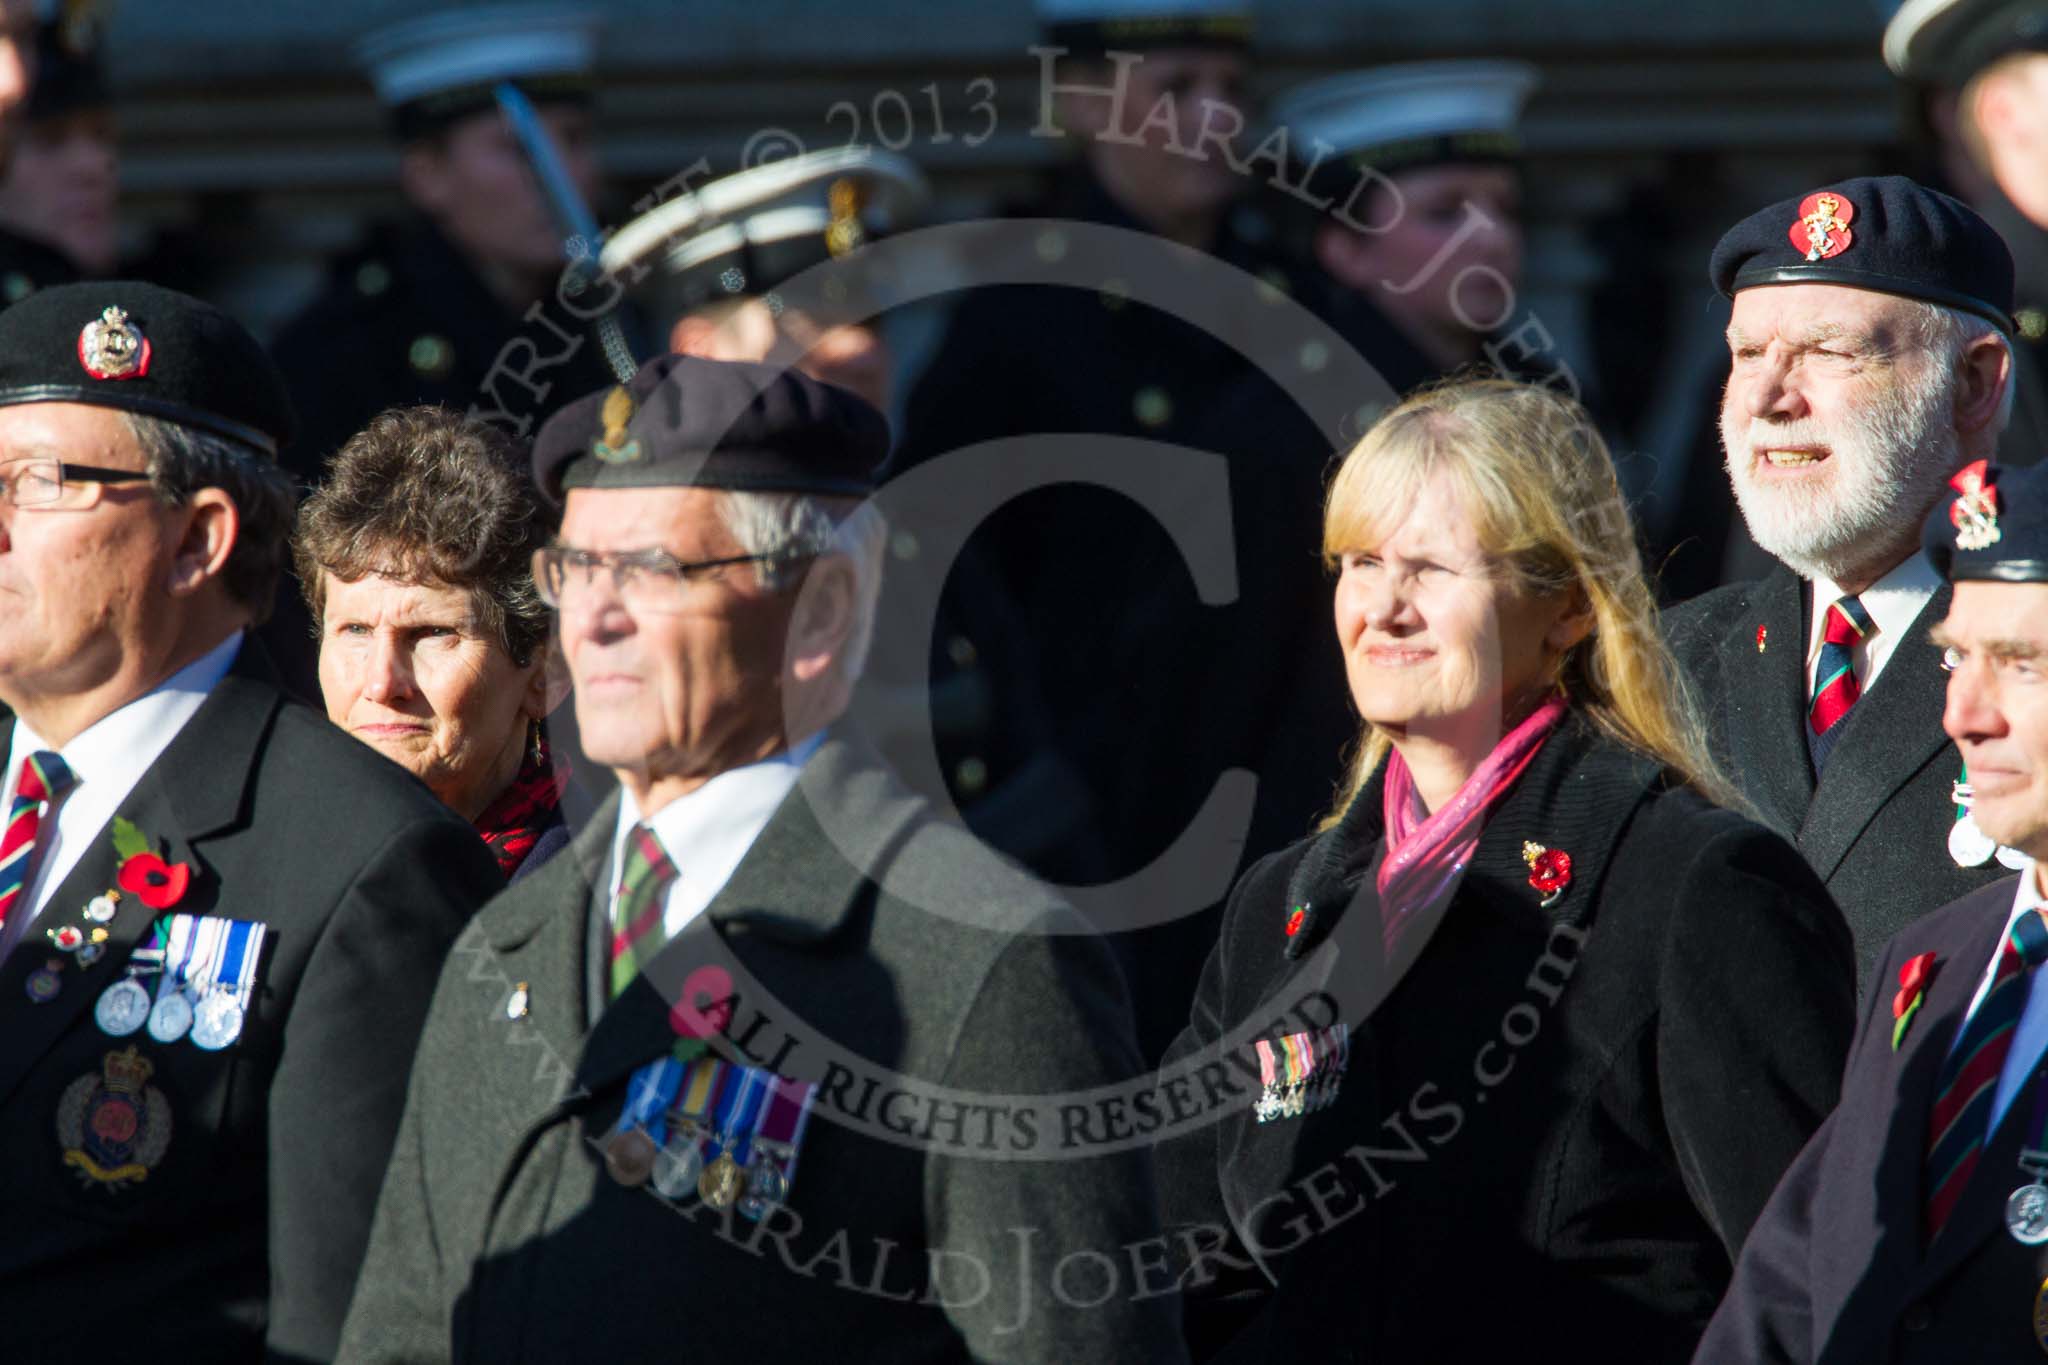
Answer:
[(1946, 42), (461, 48), (1100, 24), (780, 202), (1415, 112)]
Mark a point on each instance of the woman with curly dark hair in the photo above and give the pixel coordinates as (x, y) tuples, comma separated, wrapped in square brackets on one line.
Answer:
[(415, 557)]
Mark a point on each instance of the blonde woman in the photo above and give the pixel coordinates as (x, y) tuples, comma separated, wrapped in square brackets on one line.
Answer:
[(1510, 1055)]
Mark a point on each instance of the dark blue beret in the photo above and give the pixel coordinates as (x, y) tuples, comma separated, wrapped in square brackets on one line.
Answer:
[(147, 350), (1885, 233), (1992, 525), (688, 422)]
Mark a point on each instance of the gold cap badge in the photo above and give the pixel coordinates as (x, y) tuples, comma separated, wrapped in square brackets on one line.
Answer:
[(613, 447)]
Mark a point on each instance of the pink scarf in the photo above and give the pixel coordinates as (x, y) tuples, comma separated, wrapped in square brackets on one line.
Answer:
[(1425, 857)]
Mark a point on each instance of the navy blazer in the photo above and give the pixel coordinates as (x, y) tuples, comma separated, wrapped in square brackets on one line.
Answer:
[(1834, 1270)]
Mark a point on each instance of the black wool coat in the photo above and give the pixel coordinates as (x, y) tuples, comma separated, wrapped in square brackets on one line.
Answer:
[(242, 1241), (1875, 825), (1556, 1124), (1836, 1270)]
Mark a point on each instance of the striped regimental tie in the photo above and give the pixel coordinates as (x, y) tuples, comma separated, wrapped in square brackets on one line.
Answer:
[(1835, 688), (637, 929), (1969, 1076), (44, 778)]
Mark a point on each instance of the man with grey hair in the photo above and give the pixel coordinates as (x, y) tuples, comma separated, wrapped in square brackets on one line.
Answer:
[(220, 917), (1871, 361), (772, 1061)]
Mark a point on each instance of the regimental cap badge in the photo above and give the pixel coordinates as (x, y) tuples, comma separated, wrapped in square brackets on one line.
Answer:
[(112, 347), (1975, 510), (613, 447), (844, 201), (1822, 228)]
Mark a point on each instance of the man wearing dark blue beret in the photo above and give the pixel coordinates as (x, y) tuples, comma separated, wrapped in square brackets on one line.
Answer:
[(1871, 359), (220, 917), (772, 1065), (1914, 1227)]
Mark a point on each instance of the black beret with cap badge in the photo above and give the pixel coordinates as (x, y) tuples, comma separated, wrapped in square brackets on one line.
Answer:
[(147, 350), (684, 421)]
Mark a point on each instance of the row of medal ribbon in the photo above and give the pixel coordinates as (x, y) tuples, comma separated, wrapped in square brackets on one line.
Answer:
[(1300, 1073), (205, 974), (701, 1125)]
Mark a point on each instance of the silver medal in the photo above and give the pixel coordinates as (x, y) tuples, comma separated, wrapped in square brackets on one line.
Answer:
[(2012, 858), (2026, 1214), (1969, 845), (677, 1168), (123, 1008), (170, 1018), (217, 1022)]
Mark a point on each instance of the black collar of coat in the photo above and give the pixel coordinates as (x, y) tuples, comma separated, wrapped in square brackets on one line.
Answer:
[(1575, 795)]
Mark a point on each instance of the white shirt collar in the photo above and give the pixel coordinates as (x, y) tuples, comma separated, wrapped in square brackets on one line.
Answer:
[(109, 757), (1894, 602), (707, 832)]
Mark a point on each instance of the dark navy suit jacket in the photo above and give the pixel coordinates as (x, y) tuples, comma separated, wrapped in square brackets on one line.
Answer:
[(1834, 1270)]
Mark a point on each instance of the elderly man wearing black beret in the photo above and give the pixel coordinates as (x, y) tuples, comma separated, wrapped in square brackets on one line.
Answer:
[(771, 1065), (1871, 359), (1914, 1227), (220, 917)]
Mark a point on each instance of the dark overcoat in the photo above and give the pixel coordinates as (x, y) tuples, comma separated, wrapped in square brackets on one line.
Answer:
[(241, 1240), (1556, 1123), (870, 949), (1875, 824), (1836, 1270)]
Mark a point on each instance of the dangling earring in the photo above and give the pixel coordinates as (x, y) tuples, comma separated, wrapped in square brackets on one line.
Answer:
[(539, 755)]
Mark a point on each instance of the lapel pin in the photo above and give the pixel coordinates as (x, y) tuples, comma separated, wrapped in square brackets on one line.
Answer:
[(516, 1007), (1914, 977), (1763, 633), (1550, 870)]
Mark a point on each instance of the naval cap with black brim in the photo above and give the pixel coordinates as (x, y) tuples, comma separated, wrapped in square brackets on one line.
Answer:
[(1946, 42), (687, 422), (1091, 28), (434, 70), (745, 234), (1404, 117), (1992, 526), (147, 350), (1883, 233)]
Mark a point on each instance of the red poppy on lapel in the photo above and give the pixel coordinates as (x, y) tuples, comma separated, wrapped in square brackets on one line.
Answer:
[(159, 884), (1762, 633), (1294, 921), (1913, 980), (1550, 870)]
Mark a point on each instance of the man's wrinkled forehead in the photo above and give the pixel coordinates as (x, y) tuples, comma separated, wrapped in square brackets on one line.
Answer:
[(1808, 315), (615, 519)]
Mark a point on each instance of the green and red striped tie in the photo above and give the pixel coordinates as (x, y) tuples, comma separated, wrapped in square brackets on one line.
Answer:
[(1969, 1077), (1834, 683), (637, 929), (44, 777)]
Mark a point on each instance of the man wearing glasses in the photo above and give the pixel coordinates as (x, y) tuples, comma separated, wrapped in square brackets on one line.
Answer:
[(220, 918), (770, 1062)]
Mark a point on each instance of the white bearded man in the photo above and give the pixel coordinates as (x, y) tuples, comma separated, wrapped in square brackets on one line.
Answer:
[(1870, 360)]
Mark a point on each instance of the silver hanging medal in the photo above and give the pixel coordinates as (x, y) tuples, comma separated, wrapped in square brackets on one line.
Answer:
[(2012, 858), (2026, 1213), (680, 1163), (1969, 845), (170, 1018), (123, 1008), (217, 1022)]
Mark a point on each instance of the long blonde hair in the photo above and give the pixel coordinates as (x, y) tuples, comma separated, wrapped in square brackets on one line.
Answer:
[(1534, 474)]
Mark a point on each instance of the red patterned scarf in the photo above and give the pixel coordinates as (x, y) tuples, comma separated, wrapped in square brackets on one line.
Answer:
[(513, 824), (1427, 852)]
